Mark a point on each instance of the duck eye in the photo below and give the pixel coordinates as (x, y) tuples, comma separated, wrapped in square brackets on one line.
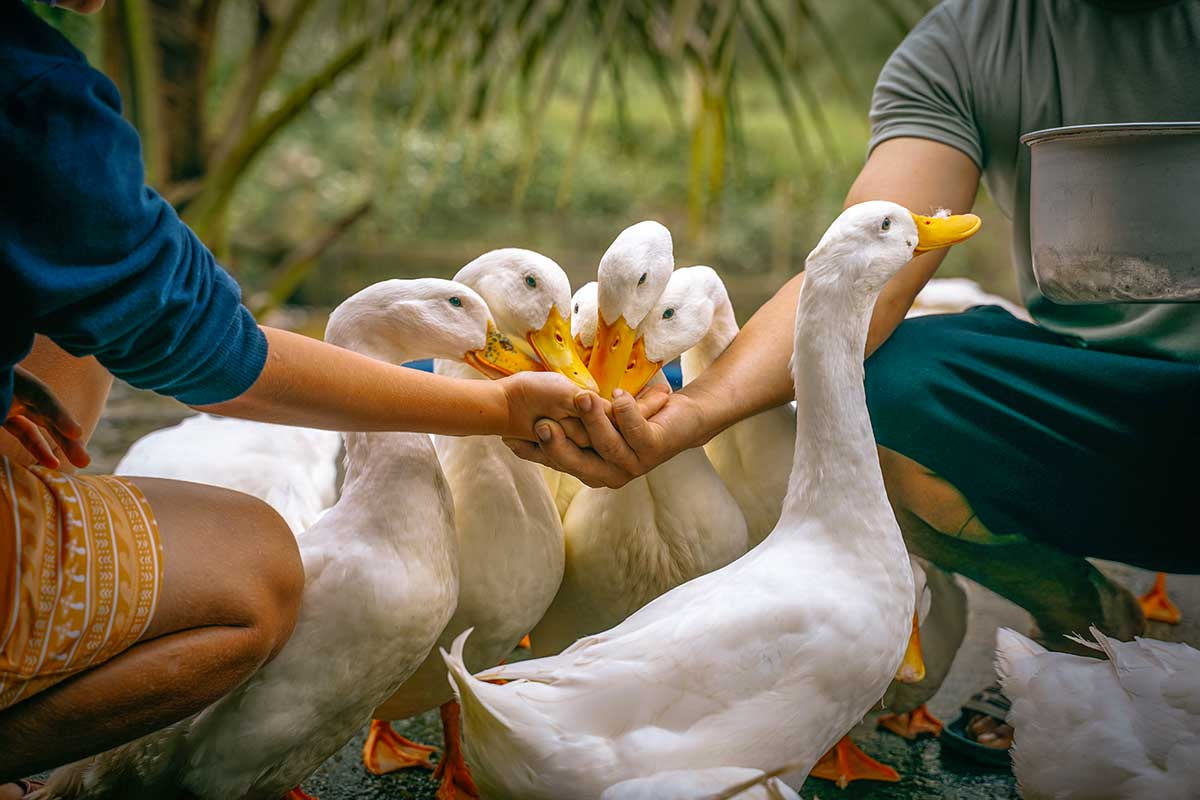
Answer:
[(531, 281), (642, 279), (887, 223), (577, 308), (670, 312), (456, 302)]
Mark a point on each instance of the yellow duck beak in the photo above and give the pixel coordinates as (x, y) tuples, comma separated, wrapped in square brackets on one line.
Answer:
[(499, 356), (555, 346), (584, 351), (934, 233), (640, 369), (610, 354), (912, 668)]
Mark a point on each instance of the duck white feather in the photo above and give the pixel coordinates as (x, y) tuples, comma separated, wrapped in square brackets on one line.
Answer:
[(770, 659), (381, 582), (694, 317), (626, 546), (1123, 728), (293, 470), (714, 783), (510, 536), (942, 612)]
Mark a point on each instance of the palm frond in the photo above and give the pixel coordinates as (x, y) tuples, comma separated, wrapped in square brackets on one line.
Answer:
[(608, 28)]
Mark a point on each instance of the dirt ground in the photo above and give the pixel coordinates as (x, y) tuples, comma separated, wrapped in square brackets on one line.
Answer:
[(928, 769)]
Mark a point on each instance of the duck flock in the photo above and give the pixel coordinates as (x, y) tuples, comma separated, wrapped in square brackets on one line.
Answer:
[(712, 629)]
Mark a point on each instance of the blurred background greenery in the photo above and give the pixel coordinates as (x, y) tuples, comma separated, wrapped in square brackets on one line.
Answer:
[(318, 146)]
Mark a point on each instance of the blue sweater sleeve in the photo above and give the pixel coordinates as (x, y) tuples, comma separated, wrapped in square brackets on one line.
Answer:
[(100, 263)]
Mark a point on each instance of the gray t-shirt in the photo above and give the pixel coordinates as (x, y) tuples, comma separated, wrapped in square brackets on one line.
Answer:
[(977, 74)]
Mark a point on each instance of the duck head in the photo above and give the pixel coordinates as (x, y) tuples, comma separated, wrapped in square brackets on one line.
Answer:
[(584, 307), (403, 320), (633, 273), (680, 320), (530, 298), (871, 241)]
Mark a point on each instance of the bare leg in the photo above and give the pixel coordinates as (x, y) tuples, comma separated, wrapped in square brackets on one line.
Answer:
[(231, 586), (1064, 593), (81, 384)]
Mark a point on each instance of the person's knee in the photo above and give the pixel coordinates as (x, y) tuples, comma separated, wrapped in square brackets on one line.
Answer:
[(275, 581), (915, 491), (901, 384)]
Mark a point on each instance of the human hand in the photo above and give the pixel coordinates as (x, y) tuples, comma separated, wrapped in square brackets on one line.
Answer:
[(36, 413), (532, 396), (642, 434)]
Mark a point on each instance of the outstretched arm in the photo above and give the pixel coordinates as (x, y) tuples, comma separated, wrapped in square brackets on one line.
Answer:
[(318, 385), (752, 375)]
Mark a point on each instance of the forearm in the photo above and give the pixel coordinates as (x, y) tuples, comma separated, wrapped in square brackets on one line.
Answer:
[(752, 375), (314, 384)]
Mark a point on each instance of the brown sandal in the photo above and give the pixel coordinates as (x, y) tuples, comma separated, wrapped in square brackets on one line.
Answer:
[(989, 702)]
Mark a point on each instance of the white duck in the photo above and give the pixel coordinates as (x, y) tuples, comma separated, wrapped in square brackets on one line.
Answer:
[(632, 274), (585, 309), (626, 546), (381, 582), (509, 532), (942, 612), (293, 470), (752, 458), (694, 316), (941, 625), (1124, 728), (772, 658)]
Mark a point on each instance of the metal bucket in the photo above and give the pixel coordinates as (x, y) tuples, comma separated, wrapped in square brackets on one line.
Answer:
[(1112, 212)]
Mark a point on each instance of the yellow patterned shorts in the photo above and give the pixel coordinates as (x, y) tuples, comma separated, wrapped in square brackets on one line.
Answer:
[(80, 574)]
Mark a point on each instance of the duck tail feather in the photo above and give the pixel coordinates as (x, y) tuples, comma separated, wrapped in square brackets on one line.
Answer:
[(1093, 645), (764, 778), (1012, 652), (478, 713), (1106, 644)]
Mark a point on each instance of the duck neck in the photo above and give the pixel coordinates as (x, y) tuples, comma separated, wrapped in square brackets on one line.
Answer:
[(377, 464), (721, 332), (836, 465)]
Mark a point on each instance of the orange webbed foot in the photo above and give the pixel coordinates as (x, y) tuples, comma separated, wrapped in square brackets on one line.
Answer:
[(298, 794), (453, 775), (1156, 605), (845, 763), (386, 751), (525, 644), (912, 724)]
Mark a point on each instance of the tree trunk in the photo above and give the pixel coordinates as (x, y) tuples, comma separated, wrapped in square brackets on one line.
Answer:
[(184, 33)]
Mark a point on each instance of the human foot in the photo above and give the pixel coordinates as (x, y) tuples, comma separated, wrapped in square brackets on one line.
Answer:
[(990, 732), (985, 719)]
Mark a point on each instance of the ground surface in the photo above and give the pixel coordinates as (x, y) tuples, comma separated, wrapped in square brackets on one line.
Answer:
[(929, 770)]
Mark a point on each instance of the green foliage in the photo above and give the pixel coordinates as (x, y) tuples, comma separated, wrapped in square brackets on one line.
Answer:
[(550, 124)]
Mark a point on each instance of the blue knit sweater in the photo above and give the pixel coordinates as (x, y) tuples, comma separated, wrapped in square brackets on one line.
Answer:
[(89, 255)]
